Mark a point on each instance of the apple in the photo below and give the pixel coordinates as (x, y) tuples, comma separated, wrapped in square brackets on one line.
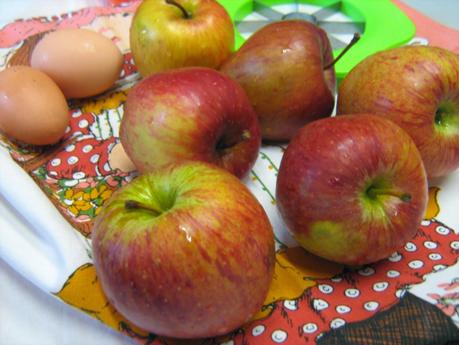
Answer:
[(186, 251), (417, 87), (168, 34), (193, 113), (287, 71), (352, 189)]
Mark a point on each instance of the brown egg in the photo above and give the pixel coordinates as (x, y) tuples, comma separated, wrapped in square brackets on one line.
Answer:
[(33, 109), (119, 159), (82, 62)]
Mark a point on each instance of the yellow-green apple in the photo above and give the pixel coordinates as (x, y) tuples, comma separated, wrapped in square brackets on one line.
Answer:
[(417, 87), (168, 34), (287, 72), (193, 113), (186, 251), (352, 189)]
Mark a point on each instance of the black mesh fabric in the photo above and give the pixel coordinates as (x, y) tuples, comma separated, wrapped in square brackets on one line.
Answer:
[(413, 321)]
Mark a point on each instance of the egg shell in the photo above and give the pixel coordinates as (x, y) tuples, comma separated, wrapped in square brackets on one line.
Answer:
[(119, 159), (33, 109), (82, 62)]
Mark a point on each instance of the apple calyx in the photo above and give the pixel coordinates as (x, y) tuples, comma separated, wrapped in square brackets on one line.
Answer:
[(354, 40), (447, 118), (246, 135), (224, 143), (186, 14), (374, 192), (137, 205)]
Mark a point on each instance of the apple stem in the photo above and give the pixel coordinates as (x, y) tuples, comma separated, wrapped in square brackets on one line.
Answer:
[(374, 192), (354, 40), (186, 14), (136, 205)]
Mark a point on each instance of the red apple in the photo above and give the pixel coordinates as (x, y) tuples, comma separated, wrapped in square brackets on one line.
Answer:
[(352, 189), (192, 113), (287, 72), (168, 34), (186, 251), (417, 87)]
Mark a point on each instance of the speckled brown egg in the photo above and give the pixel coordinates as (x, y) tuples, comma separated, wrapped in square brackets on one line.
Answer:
[(33, 110), (82, 62)]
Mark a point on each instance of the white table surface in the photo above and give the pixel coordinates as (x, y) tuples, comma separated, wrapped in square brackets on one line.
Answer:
[(30, 316)]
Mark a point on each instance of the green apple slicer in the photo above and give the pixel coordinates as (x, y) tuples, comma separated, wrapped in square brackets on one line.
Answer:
[(381, 24)]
